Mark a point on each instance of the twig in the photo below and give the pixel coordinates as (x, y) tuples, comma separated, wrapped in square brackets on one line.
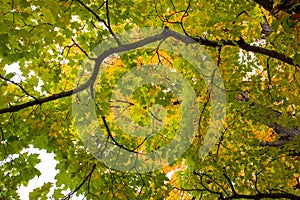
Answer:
[(17, 84), (81, 184)]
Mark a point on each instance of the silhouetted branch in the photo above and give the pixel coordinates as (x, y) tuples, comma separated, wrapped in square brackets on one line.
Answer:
[(278, 195), (269, 117), (107, 25), (236, 195), (68, 196), (127, 47), (247, 47), (17, 84), (266, 4)]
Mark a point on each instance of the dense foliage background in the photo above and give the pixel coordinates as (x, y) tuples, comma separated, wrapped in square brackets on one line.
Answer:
[(255, 46)]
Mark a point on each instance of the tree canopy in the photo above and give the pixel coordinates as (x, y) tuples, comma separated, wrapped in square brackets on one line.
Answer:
[(222, 105)]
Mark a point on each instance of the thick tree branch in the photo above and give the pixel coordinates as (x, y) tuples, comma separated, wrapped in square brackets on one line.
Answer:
[(286, 134), (235, 195), (270, 118), (291, 7), (127, 47), (288, 6), (99, 60), (247, 47), (259, 195), (270, 195), (266, 4)]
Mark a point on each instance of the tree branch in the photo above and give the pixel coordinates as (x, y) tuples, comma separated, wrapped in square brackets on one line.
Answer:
[(113, 139), (127, 47), (107, 25), (17, 84), (82, 87), (266, 4), (269, 117), (235, 195), (81, 184), (230, 183), (270, 195), (247, 47)]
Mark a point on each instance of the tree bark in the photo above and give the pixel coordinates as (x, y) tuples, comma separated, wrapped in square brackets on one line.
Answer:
[(266, 4), (270, 118)]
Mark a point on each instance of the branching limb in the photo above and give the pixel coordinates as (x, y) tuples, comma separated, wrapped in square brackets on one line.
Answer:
[(127, 47), (84, 52), (68, 196), (113, 139), (107, 25), (247, 47), (259, 195), (20, 86), (183, 16), (236, 195), (269, 117), (230, 183), (266, 4), (271, 195)]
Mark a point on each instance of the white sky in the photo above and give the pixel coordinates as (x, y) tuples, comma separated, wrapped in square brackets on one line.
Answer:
[(47, 169), (48, 163)]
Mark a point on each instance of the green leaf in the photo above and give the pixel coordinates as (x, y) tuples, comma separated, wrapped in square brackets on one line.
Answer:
[(297, 59), (41, 192), (47, 16), (50, 38), (10, 75)]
